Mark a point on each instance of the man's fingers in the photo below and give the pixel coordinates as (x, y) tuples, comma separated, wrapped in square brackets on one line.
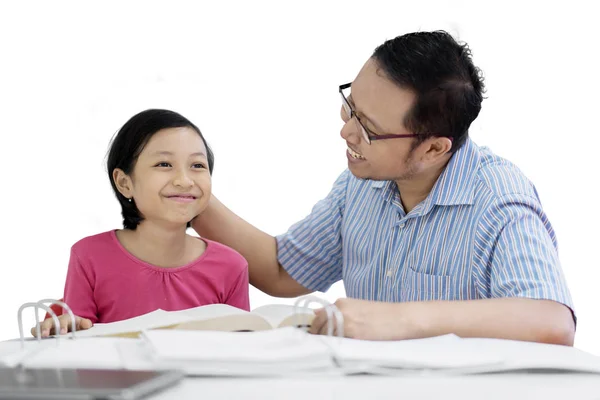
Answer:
[(320, 324), (319, 321), (324, 327)]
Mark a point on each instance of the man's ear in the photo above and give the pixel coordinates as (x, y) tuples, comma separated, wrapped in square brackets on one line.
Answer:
[(437, 147), (123, 182)]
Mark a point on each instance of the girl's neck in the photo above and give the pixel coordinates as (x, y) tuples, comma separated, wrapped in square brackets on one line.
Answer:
[(160, 245)]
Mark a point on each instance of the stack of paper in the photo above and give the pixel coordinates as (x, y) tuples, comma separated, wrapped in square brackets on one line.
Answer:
[(287, 351), (273, 352)]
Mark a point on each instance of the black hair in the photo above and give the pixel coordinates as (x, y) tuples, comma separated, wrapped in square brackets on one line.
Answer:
[(447, 85), (129, 142)]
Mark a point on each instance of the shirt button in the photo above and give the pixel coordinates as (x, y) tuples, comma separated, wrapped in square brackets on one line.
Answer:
[(389, 273), (401, 225)]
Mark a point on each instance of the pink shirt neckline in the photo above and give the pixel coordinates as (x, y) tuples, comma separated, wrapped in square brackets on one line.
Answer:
[(113, 235)]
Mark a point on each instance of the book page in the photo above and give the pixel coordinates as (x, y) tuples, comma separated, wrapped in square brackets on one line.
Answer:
[(282, 315), (523, 356), (210, 311), (161, 319), (11, 353), (131, 327), (267, 346), (79, 353), (218, 317), (221, 317), (440, 352)]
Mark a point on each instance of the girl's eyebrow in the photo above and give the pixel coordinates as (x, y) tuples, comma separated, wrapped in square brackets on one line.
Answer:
[(170, 153)]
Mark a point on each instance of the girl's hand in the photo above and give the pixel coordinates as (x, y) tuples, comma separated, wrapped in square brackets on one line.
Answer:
[(47, 326)]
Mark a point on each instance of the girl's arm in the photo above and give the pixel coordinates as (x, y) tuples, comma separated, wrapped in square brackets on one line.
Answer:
[(79, 296), (238, 295), (79, 289)]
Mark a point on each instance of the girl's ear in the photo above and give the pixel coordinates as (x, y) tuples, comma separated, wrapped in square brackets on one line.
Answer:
[(123, 182)]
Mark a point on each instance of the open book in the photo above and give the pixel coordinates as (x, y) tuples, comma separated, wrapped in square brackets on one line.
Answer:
[(215, 317), (288, 351), (199, 346), (202, 348), (285, 351)]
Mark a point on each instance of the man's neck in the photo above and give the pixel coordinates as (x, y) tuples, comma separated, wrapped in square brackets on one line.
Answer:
[(416, 189)]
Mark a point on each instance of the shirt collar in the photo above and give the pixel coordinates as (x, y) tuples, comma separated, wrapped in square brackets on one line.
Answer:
[(387, 189), (455, 184)]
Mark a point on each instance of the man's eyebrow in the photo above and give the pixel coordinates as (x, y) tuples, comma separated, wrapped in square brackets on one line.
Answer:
[(365, 116)]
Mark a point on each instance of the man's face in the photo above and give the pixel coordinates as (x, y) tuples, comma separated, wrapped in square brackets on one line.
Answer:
[(381, 106)]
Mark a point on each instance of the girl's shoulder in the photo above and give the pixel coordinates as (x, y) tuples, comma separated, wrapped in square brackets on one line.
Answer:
[(223, 254), (97, 242)]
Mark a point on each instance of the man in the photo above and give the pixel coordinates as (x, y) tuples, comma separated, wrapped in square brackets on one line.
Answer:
[(430, 233)]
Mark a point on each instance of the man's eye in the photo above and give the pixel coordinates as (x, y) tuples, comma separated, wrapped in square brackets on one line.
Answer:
[(198, 165), (163, 165)]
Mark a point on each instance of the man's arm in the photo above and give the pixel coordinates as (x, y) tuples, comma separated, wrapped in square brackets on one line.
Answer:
[(220, 224), (544, 321)]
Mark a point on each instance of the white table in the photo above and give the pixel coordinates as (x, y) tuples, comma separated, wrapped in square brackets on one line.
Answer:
[(546, 386)]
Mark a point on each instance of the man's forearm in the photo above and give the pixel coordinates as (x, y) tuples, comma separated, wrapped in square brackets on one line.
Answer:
[(523, 319), (220, 224)]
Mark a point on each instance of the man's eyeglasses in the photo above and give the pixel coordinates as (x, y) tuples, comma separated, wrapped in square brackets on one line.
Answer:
[(367, 134)]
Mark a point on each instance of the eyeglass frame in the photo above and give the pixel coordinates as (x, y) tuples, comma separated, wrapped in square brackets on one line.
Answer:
[(368, 135)]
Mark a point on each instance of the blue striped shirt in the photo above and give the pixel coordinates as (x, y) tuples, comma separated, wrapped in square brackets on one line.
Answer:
[(480, 233)]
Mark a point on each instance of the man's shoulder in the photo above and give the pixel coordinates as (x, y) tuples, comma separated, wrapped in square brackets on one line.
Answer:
[(500, 177), (349, 189)]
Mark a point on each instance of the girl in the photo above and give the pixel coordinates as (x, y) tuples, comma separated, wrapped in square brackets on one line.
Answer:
[(160, 168)]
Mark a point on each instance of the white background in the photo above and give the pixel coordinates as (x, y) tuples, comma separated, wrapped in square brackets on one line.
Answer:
[(260, 80)]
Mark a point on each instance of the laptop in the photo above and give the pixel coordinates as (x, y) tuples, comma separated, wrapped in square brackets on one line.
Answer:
[(88, 384)]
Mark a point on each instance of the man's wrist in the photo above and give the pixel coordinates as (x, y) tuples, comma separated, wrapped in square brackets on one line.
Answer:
[(411, 320)]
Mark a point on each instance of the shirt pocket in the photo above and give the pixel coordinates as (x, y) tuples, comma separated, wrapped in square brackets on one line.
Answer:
[(420, 286)]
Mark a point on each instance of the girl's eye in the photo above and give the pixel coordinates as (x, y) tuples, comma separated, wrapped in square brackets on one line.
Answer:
[(163, 165), (198, 166)]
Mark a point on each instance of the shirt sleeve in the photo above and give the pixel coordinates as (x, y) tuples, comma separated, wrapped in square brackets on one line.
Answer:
[(79, 289), (523, 254), (311, 250), (238, 295)]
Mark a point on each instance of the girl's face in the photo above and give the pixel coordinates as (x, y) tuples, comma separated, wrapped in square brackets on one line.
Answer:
[(170, 182)]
